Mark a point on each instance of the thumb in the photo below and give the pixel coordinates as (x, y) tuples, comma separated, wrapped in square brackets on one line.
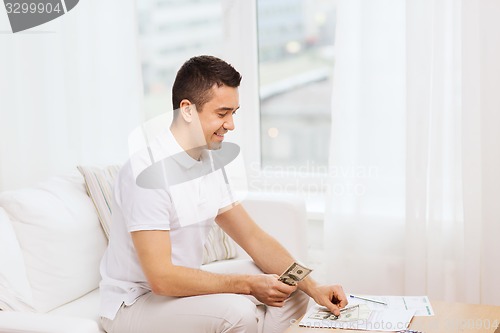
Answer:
[(333, 308)]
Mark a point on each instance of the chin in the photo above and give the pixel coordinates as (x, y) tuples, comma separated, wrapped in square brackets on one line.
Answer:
[(215, 146)]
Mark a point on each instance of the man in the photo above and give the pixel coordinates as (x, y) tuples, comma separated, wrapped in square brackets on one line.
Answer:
[(152, 280)]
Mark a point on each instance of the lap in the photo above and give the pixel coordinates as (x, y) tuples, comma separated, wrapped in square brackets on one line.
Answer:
[(231, 313), (205, 313)]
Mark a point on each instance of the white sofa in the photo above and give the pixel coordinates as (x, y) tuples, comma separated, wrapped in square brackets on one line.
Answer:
[(51, 243)]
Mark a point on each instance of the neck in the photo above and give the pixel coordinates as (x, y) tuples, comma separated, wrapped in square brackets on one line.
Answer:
[(187, 142)]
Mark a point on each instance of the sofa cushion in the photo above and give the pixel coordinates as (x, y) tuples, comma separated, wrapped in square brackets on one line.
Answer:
[(99, 183), (60, 238), (15, 291), (84, 307), (17, 322), (219, 246)]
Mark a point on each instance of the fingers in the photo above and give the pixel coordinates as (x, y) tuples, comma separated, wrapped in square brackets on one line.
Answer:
[(285, 288), (334, 309), (278, 304), (331, 296), (270, 291), (339, 298), (275, 300), (343, 303), (280, 293)]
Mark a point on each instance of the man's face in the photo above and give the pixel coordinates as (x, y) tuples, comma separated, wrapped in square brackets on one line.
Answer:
[(216, 116)]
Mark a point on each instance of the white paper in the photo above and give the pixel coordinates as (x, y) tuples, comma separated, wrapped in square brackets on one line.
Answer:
[(368, 319), (419, 304)]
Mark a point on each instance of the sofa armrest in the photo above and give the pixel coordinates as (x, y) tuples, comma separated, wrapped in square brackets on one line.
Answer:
[(27, 322), (283, 216)]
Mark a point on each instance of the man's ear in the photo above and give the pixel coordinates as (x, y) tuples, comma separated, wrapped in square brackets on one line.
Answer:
[(186, 110)]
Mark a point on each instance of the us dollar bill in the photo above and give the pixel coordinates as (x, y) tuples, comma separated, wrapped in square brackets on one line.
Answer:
[(294, 274)]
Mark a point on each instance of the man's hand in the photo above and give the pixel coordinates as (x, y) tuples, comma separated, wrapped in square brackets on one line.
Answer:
[(267, 289), (333, 297)]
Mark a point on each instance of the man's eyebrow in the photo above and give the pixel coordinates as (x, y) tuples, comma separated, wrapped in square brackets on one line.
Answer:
[(227, 108)]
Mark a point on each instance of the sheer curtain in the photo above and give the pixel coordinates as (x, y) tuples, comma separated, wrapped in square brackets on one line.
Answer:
[(70, 92), (414, 197)]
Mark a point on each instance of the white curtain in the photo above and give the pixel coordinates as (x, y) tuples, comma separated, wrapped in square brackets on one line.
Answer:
[(70, 92), (414, 201)]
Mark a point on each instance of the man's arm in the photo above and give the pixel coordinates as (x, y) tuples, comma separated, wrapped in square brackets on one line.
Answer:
[(272, 258), (267, 253), (154, 251)]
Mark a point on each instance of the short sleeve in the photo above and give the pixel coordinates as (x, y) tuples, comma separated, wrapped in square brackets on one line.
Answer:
[(142, 208)]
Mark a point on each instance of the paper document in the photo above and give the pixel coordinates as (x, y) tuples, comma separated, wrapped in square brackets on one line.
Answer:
[(420, 304), (371, 313), (358, 317)]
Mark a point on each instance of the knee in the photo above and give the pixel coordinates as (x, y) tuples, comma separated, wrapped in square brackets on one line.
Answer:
[(241, 316)]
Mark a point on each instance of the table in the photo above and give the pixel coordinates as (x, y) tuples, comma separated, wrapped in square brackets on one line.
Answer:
[(448, 318)]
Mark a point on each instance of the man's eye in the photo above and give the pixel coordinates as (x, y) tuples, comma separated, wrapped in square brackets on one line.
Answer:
[(222, 115), (234, 112)]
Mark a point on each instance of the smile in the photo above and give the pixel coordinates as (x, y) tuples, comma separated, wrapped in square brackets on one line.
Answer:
[(220, 135)]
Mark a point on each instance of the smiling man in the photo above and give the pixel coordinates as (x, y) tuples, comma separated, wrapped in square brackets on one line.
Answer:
[(212, 87), (151, 276)]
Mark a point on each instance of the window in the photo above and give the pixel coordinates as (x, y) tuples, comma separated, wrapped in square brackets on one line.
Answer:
[(284, 50), (170, 32), (295, 64), (295, 42)]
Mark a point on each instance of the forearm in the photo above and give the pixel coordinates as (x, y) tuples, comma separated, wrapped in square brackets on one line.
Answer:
[(269, 255), (183, 281), (309, 286), (168, 279)]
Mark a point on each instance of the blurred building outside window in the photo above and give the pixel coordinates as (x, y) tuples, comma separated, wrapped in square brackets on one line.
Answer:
[(296, 58), (295, 66)]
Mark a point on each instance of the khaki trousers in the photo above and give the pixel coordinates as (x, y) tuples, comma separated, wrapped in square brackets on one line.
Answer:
[(217, 313)]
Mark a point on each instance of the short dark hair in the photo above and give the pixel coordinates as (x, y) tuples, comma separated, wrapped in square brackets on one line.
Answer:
[(198, 75)]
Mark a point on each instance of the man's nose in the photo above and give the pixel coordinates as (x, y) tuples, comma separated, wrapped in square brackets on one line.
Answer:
[(229, 123)]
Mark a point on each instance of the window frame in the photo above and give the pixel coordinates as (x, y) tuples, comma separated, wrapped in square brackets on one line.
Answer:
[(242, 50)]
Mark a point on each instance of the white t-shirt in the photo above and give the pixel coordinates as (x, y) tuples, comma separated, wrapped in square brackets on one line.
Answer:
[(187, 198)]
